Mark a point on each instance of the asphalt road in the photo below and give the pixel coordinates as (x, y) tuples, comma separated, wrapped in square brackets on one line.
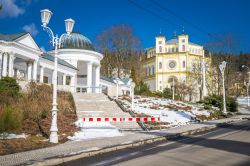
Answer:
[(227, 145)]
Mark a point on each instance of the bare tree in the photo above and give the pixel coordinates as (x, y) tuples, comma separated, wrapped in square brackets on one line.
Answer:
[(118, 44)]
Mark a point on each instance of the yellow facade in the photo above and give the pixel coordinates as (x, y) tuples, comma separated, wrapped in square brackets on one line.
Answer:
[(175, 59)]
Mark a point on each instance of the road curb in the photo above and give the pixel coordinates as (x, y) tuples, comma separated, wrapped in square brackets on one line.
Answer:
[(66, 158)]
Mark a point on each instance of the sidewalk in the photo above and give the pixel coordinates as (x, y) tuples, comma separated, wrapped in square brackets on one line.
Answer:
[(74, 150)]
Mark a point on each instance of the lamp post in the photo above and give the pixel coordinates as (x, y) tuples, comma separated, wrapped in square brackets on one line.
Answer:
[(117, 87), (222, 67), (204, 89), (247, 84), (132, 95), (56, 42), (173, 89)]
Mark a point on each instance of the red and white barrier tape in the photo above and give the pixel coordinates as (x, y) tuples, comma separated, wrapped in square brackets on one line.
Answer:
[(131, 119)]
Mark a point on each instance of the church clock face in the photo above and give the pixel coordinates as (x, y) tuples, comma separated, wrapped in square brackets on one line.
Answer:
[(172, 64)]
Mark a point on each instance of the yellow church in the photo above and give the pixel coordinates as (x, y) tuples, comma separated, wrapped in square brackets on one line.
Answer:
[(177, 61)]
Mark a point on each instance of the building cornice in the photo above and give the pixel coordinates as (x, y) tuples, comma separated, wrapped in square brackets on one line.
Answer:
[(20, 46), (80, 51)]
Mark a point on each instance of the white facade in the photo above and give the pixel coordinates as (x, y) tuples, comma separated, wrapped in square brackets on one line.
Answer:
[(88, 64), (20, 57)]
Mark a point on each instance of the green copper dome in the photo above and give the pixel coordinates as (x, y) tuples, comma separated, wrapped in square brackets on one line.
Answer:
[(77, 41)]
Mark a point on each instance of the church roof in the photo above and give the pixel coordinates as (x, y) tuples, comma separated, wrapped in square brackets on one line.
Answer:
[(60, 61), (77, 41), (12, 37), (172, 41)]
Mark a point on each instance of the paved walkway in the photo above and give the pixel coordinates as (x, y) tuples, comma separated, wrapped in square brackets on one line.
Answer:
[(71, 148)]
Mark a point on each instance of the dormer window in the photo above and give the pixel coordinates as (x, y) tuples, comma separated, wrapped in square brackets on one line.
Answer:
[(183, 40)]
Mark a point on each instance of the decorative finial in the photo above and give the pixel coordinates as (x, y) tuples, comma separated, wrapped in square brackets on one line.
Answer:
[(183, 29), (160, 31)]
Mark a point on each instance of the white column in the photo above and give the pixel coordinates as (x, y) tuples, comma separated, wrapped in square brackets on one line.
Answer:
[(34, 71), (5, 61), (64, 79), (89, 77), (29, 71), (72, 83), (41, 74), (11, 65), (97, 79)]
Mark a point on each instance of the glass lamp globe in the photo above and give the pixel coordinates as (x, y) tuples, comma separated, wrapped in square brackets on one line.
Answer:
[(69, 24), (45, 16)]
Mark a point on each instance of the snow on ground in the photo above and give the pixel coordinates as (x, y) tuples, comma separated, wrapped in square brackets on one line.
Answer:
[(242, 100), (89, 130), (12, 136), (176, 113)]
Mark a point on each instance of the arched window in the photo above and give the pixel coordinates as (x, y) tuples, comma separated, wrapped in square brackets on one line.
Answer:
[(183, 47), (173, 49), (153, 70), (183, 64), (160, 65), (149, 71), (160, 49)]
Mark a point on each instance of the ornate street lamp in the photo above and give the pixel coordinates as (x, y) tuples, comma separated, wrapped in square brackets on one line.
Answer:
[(132, 95), (117, 87), (56, 42), (222, 67)]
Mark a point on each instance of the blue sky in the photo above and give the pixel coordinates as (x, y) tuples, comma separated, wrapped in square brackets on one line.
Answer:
[(93, 16)]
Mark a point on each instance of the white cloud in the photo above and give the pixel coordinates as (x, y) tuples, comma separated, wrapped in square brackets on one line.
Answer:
[(31, 28), (10, 9)]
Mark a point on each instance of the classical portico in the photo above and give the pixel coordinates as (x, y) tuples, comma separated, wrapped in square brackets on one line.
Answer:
[(19, 56), (22, 59)]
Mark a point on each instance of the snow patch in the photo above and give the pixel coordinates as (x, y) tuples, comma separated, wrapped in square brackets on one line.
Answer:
[(90, 130), (176, 113), (242, 100), (12, 136)]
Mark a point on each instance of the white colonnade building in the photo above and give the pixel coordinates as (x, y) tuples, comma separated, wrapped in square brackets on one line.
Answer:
[(78, 62)]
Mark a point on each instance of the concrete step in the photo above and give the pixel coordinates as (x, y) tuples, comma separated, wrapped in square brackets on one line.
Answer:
[(98, 105)]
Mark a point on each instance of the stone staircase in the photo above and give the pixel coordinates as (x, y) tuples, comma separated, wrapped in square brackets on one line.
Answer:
[(98, 105)]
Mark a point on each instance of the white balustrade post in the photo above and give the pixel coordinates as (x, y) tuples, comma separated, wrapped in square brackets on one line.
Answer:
[(89, 77)]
